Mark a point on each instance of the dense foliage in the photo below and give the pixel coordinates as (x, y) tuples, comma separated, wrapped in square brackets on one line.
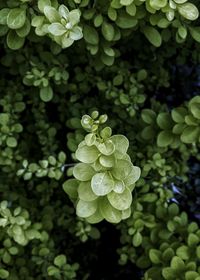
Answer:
[(99, 138)]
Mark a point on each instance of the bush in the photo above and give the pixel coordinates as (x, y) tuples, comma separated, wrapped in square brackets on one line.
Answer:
[(99, 138)]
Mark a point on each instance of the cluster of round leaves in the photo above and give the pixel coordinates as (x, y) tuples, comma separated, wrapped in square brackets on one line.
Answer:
[(58, 22), (105, 177)]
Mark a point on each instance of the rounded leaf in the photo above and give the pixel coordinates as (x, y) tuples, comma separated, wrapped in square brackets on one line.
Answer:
[(85, 191), (188, 11), (83, 172), (16, 18), (85, 209), (109, 213), (120, 201), (102, 183), (152, 35), (87, 154)]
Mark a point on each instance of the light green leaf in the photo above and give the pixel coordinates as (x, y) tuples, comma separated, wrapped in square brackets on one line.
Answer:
[(42, 4), (126, 2), (192, 240), (51, 14), (46, 94), (11, 142), (158, 4), (95, 218), (148, 116), (121, 145), (76, 33), (85, 191), (87, 154), (64, 12), (83, 172), (188, 11), (168, 273), (107, 161), (102, 183), (191, 275), (133, 176), (16, 18), (57, 29), (85, 209), (120, 201), (109, 213), (107, 148), (152, 35), (74, 17), (119, 186), (122, 169), (178, 114), (66, 41), (60, 260)]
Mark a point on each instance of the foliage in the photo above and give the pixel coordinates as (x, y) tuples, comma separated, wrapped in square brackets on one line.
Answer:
[(71, 176)]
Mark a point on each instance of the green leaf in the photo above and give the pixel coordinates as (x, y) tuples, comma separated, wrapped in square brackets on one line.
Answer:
[(149, 197), (74, 17), (11, 142), (188, 11), (168, 254), (102, 183), (85, 191), (177, 263), (119, 186), (42, 4), (155, 256), (85, 209), (164, 121), (168, 273), (4, 274), (122, 169), (87, 154), (24, 30), (14, 42), (51, 14), (126, 2), (16, 18), (109, 213), (70, 187), (133, 176), (121, 144), (3, 16), (195, 110), (83, 172), (164, 139), (193, 240), (152, 35), (191, 275), (183, 252), (178, 114), (107, 161), (90, 139), (148, 116), (57, 29), (190, 134), (107, 148), (137, 239), (120, 201), (60, 260), (108, 31), (95, 218), (195, 33), (124, 20), (90, 35), (131, 9), (46, 93)]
